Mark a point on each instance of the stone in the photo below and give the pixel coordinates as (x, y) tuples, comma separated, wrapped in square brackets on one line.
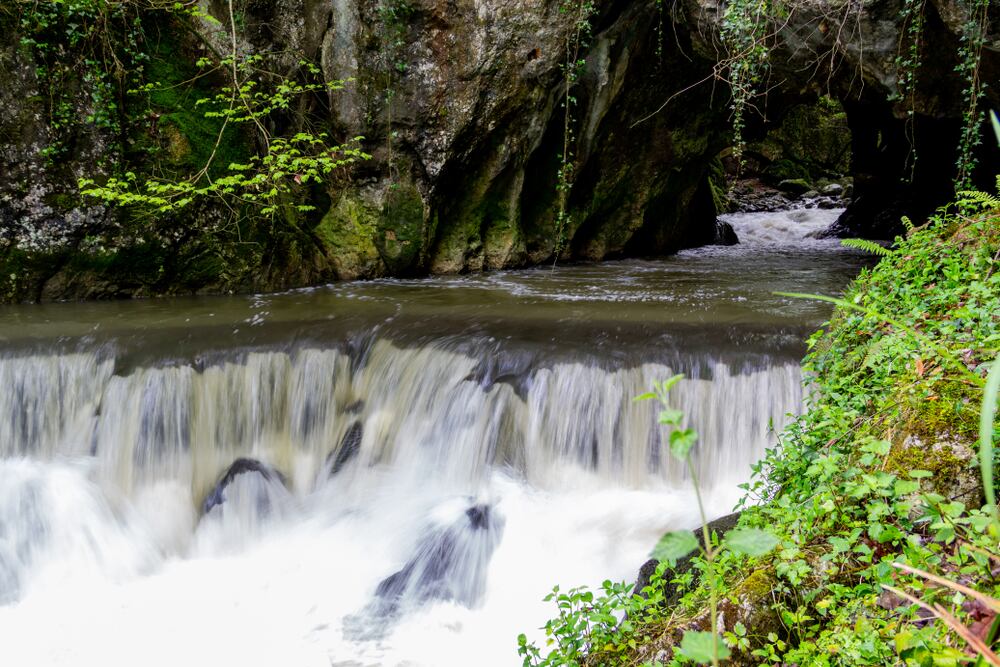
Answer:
[(795, 186), (725, 234), (241, 466), (449, 563), (349, 447), (833, 190)]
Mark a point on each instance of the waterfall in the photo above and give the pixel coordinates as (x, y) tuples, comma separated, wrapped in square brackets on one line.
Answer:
[(425, 409), (367, 474)]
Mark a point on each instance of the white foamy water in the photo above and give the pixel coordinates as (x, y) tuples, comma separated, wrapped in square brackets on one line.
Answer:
[(388, 502), (785, 228)]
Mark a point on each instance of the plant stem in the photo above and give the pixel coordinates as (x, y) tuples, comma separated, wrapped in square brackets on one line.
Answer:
[(709, 558)]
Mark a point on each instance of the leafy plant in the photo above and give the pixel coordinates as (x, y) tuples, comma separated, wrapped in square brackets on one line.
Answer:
[(252, 97), (973, 39), (744, 30), (867, 246), (577, 38), (587, 623), (873, 556)]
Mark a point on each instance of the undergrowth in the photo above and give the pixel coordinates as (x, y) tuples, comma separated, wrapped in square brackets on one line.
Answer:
[(886, 551)]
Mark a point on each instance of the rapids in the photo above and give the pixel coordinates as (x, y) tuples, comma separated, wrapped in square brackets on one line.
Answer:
[(427, 458)]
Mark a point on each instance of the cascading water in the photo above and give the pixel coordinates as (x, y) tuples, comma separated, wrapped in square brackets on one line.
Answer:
[(389, 473)]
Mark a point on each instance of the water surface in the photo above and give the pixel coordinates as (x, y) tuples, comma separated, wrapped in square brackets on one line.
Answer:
[(444, 451)]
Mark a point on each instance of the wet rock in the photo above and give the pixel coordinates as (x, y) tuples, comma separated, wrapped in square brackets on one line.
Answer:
[(464, 153), (833, 190), (725, 234), (646, 572), (349, 447), (719, 527), (241, 466), (794, 186), (450, 563)]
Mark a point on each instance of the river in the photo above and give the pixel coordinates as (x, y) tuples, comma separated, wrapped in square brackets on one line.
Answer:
[(429, 457)]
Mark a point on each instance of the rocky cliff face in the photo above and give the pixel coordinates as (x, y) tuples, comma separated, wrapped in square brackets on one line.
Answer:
[(462, 107), (904, 138)]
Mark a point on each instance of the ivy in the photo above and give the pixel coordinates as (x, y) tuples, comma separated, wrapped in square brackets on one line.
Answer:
[(92, 46), (908, 61), (744, 31), (972, 40), (578, 37)]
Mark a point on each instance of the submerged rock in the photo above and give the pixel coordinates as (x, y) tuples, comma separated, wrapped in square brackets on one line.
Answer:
[(241, 466), (350, 445), (725, 234), (449, 564)]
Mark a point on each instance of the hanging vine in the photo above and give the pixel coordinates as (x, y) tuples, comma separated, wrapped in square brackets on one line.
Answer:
[(908, 60), (970, 56), (572, 67), (744, 34), (394, 17)]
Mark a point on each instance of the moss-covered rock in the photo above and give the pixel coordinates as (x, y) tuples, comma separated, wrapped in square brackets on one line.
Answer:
[(400, 234), (346, 236)]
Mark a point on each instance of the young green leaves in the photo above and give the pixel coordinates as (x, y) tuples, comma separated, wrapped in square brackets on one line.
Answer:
[(703, 647)]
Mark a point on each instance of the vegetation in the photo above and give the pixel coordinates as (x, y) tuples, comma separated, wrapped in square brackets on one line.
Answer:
[(751, 28), (250, 96), (885, 550), (580, 11)]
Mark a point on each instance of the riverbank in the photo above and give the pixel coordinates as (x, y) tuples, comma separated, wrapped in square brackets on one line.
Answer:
[(880, 472)]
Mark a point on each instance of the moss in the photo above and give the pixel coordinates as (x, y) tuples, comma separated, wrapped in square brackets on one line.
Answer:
[(184, 136), (502, 239), (346, 237), (951, 464), (399, 235), (461, 246), (812, 142), (718, 185)]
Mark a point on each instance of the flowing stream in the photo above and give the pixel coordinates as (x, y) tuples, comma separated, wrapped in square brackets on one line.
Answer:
[(383, 473)]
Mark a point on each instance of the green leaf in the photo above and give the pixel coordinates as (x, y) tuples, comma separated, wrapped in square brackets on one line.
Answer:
[(670, 417), (668, 384), (987, 417), (703, 647), (920, 474), (645, 397), (675, 545), (681, 442), (879, 447), (889, 534), (751, 541)]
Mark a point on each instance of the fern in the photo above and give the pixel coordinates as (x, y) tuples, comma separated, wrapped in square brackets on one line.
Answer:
[(978, 200), (867, 246), (907, 223)]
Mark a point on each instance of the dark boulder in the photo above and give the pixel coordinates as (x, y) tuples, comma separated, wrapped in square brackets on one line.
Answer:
[(450, 563), (725, 234), (241, 466), (718, 527), (350, 445)]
